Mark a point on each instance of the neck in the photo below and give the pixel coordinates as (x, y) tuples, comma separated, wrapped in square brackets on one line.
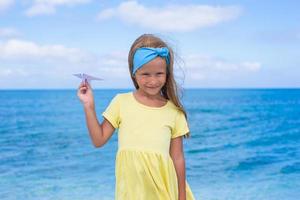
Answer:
[(144, 94)]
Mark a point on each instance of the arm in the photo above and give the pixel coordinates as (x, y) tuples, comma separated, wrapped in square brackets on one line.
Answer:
[(99, 133), (177, 155)]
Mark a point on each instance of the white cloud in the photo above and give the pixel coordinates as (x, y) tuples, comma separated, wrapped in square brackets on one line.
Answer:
[(16, 71), (30, 53), (251, 66), (15, 49), (200, 67), (46, 7), (8, 32), (5, 4), (53, 65), (114, 63), (173, 17)]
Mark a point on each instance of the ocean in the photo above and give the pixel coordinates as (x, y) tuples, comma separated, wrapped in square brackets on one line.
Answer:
[(244, 145)]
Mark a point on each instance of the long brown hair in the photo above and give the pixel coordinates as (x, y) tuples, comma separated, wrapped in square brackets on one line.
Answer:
[(170, 90)]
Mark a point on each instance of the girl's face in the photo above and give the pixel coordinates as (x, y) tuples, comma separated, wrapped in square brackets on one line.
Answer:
[(152, 76)]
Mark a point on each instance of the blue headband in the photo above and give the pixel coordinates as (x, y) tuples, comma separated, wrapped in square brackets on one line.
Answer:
[(144, 55)]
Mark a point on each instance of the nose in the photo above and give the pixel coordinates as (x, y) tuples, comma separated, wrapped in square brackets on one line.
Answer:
[(152, 80)]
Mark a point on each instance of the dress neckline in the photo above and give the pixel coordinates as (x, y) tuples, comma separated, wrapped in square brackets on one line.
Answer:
[(149, 107)]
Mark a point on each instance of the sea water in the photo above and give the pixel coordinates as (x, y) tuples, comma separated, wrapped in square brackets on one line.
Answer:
[(244, 145)]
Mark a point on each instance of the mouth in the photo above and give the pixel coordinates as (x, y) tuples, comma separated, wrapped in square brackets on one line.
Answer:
[(152, 88)]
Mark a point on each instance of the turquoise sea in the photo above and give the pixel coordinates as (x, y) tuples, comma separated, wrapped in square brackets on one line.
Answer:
[(245, 145)]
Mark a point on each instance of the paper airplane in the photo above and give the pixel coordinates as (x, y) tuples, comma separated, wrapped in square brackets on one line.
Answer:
[(86, 77)]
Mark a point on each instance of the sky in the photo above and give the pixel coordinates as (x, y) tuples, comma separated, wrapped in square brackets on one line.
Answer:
[(218, 43)]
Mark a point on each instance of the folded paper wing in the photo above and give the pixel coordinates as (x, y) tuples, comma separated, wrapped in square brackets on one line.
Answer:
[(86, 77)]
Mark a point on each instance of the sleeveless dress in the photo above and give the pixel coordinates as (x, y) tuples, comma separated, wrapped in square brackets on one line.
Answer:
[(144, 168)]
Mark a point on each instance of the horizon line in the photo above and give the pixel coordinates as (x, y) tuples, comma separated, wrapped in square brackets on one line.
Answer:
[(186, 88)]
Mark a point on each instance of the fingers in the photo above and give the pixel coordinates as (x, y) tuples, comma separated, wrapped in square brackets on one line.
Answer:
[(83, 87), (83, 84)]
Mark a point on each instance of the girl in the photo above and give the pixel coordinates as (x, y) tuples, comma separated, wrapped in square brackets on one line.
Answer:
[(151, 123)]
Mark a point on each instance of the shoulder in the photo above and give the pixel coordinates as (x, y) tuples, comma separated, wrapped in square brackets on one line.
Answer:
[(174, 109), (122, 97)]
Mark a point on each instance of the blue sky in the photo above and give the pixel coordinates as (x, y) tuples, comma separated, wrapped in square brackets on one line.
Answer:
[(220, 44)]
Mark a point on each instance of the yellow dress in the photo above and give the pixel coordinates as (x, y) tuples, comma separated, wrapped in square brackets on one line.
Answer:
[(144, 169)]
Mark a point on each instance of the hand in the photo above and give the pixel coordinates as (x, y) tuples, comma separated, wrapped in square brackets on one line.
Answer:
[(85, 94)]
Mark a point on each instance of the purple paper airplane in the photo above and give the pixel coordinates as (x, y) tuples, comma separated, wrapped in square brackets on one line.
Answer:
[(86, 77)]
